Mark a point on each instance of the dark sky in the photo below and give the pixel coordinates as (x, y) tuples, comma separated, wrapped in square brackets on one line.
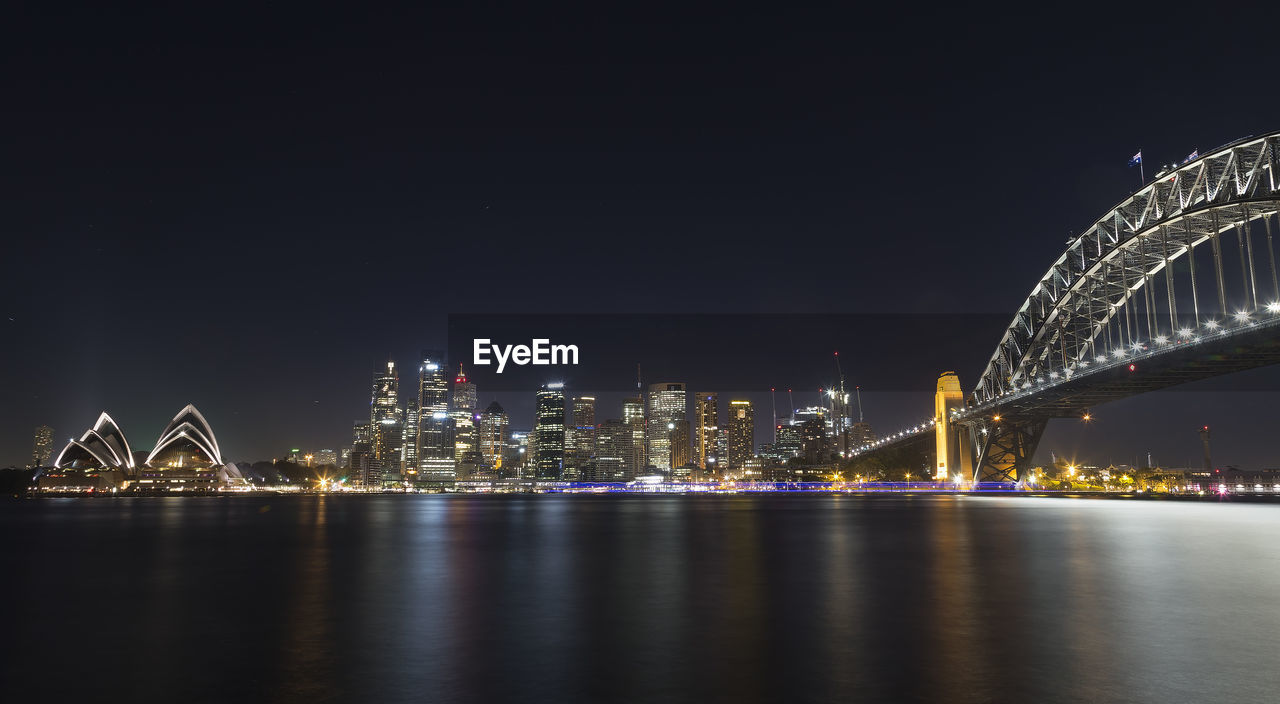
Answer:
[(251, 211)]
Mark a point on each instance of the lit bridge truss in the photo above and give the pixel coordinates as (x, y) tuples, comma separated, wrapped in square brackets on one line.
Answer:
[(1178, 282)]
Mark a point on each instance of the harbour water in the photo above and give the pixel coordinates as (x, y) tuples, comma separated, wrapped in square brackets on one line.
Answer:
[(640, 598)]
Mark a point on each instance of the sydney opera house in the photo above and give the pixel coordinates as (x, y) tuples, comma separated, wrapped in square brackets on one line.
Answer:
[(186, 457)]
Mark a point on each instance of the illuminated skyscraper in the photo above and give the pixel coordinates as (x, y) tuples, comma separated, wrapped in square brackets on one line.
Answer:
[(633, 455), (606, 465), (462, 412), (361, 457), (706, 413), (435, 428), (493, 428), (742, 433), (580, 438), (409, 441), (665, 420), (518, 463), (385, 425), (42, 448), (548, 432)]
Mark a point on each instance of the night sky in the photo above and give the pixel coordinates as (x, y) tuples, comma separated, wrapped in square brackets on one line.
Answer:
[(250, 212)]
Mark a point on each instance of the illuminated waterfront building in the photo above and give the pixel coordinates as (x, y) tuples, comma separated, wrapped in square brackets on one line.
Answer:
[(548, 432), (186, 457), (462, 411), (385, 426), (706, 413), (517, 463), (612, 437), (789, 443), (580, 437), (361, 457), (742, 433), (436, 451), (633, 452), (409, 440), (42, 446), (493, 431), (665, 423)]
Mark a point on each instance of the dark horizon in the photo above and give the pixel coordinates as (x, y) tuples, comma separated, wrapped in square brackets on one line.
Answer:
[(252, 215)]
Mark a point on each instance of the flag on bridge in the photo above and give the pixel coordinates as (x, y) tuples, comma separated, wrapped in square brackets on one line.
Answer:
[(1135, 159), (1193, 155)]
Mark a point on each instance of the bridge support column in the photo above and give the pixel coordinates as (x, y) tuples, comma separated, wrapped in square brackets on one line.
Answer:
[(954, 450), (1005, 450)]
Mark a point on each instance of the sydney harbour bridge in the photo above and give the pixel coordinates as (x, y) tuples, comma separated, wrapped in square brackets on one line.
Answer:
[(1174, 284)]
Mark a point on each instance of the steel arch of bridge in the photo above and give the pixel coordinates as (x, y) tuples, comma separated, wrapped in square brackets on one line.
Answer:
[(1101, 295)]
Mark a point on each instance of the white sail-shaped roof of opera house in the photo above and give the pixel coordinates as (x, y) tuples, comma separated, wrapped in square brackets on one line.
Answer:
[(186, 443)]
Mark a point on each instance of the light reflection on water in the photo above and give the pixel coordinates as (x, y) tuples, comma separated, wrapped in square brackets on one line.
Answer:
[(641, 598)]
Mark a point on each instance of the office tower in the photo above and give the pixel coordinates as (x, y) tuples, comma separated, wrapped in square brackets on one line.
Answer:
[(517, 463), (580, 437), (681, 447), (462, 411), (320, 458), (606, 465), (361, 459), (42, 447), (665, 419), (706, 413), (548, 432), (742, 433), (464, 393), (861, 434), (436, 451), (344, 458), (385, 424), (409, 440), (492, 436), (788, 444), (815, 441), (633, 456)]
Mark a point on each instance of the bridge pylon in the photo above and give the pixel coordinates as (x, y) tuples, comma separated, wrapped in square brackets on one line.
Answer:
[(955, 453)]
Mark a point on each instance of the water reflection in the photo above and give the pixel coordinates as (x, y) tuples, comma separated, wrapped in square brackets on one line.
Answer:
[(644, 598)]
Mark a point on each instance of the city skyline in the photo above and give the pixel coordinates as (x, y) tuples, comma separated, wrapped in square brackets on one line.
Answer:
[(595, 182)]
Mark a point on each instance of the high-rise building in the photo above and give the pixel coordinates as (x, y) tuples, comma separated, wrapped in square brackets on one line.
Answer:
[(409, 441), (320, 458), (861, 434), (607, 464), (493, 430), (464, 393), (42, 447), (518, 462), (548, 432), (742, 433), (815, 441), (666, 418), (580, 437), (385, 424), (789, 443), (462, 411), (361, 458), (706, 413), (633, 454), (436, 451)]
